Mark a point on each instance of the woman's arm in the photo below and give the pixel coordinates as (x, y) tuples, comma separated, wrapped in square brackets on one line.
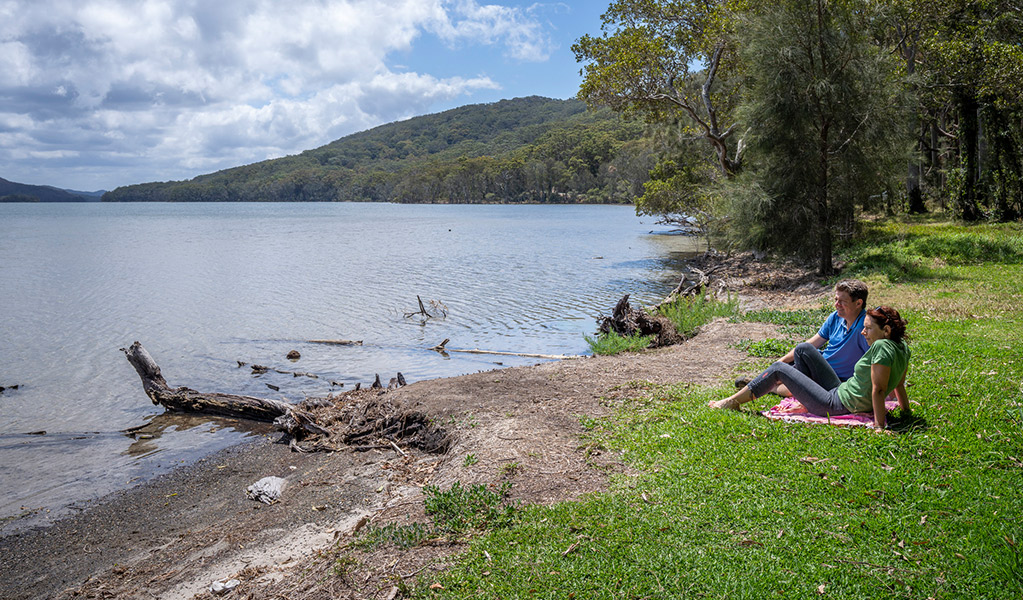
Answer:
[(900, 393), (879, 375)]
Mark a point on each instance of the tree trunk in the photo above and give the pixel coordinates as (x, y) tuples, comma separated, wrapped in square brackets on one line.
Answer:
[(824, 242), (824, 264), (966, 199), (916, 199)]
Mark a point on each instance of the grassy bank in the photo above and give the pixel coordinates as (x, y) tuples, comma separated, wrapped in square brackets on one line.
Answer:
[(726, 505)]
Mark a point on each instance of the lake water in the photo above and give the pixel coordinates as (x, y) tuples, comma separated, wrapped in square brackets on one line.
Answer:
[(203, 286)]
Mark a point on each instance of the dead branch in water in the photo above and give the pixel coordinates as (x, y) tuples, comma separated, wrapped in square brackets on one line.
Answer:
[(260, 369), (440, 310)]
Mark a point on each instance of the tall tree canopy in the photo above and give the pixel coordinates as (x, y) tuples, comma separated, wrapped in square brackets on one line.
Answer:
[(822, 102), (663, 60)]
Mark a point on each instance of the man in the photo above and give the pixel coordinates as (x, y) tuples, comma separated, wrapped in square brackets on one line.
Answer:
[(840, 331)]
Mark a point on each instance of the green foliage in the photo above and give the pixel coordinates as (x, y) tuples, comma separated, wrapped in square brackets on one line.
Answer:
[(641, 65), (691, 312), (510, 469), (343, 566), (828, 124), (974, 59), (687, 314), (769, 348), (612, 343), (460, 509), (523, 150)]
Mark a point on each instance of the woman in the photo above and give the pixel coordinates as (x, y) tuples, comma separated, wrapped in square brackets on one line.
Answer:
[(813, 382)]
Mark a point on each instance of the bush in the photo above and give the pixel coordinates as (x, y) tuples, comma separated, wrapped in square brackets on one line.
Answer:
[(689, 313)]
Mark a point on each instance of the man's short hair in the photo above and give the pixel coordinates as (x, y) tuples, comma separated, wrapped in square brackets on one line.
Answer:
[(856, 289)]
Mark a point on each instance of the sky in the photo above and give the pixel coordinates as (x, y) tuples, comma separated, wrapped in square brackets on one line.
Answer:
[(95, 94)]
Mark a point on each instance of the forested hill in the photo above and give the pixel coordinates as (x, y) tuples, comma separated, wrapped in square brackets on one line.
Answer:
[(23, 192), (523, 150)]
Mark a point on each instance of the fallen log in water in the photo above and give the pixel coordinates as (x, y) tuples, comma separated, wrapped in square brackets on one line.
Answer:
[(184, 399), (325, 424)]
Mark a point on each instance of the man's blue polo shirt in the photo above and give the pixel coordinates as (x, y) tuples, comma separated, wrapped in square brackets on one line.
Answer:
[(845, 346)]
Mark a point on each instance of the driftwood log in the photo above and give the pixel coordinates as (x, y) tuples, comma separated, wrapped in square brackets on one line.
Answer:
[(286, 417), (184, 399), (315, 425)]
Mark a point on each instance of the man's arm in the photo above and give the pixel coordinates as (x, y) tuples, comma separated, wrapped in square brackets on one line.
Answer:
[(816, 341)]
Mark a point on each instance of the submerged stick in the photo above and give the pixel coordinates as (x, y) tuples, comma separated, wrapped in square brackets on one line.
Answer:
[(337, 342), (441, 347)]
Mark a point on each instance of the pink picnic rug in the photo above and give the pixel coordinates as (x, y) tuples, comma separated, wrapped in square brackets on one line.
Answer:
[(788, 409)]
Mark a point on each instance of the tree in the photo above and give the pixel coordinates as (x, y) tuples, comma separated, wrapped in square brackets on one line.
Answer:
[(822, 103), (643, 64), (975, 58)]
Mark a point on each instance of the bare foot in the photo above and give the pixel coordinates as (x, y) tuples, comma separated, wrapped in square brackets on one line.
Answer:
[(727, 403)]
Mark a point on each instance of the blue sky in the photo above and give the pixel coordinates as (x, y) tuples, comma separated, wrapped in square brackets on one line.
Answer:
[(101, 93)]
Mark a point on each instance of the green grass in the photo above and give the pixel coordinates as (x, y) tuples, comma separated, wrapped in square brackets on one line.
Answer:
[(769, 348), (730, 505), (800, 324), (612, 343), (456, 512), (460, 509), (690, 313)]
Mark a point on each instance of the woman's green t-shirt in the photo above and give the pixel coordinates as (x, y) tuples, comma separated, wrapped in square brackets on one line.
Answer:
[(855, 393)]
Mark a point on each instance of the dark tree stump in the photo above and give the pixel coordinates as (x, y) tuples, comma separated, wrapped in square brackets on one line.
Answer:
[(627, 321)]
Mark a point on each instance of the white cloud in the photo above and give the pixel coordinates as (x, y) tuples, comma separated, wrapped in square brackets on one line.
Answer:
[(177, 86), (521, 34)]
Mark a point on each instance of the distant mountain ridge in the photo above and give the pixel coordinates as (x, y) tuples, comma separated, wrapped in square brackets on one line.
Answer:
[(23, 192), (522, 150)]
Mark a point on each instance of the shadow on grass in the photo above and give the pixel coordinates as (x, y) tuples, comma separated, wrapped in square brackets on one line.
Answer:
[(914, 256), (907, 423)]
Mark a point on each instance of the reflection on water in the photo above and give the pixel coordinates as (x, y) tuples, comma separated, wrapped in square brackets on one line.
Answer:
[(147, 437), (206, 286)]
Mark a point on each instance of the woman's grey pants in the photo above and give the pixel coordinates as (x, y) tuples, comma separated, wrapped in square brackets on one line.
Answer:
[(810, 379)]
